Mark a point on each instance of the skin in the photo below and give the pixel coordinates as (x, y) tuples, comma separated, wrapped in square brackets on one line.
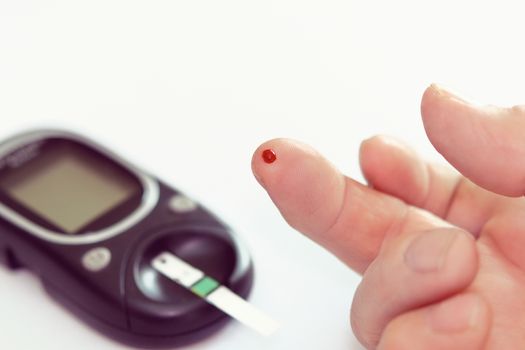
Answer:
[(441, 252)]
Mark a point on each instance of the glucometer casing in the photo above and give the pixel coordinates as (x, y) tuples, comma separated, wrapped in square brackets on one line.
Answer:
[(89, 223)]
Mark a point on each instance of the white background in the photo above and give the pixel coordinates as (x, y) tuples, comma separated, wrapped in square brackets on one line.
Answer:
[(188, 89)]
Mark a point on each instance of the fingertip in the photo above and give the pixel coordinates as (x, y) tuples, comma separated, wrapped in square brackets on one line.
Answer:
[(392, 167), (436, 94), (259, 165), (377, 150), (430, 96), (306, 188), (286, 154), (370, 150), (440, 110), (482, 142)]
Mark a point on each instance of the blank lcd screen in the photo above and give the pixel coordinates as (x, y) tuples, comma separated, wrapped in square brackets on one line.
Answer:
[(70, 189)]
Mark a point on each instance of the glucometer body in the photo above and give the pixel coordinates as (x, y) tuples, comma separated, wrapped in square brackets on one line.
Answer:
[(89, 225)]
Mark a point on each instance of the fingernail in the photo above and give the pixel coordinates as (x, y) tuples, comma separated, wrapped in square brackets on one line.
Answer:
[(456, 314), (428, 252), (450, 94)]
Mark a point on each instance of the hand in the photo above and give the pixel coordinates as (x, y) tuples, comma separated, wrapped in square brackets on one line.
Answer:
[(442, 255)]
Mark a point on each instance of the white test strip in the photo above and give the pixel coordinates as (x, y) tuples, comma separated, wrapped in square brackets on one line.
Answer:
[(177, 269), (221, 297), (244, 312)]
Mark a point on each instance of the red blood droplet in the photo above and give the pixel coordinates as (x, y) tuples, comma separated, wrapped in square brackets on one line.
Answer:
[(269, 156)]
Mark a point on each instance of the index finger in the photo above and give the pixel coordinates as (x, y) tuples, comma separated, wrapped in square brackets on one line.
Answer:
[(346, 217)]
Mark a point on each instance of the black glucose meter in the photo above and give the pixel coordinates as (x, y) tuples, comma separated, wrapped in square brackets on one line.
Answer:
[(89, 223)]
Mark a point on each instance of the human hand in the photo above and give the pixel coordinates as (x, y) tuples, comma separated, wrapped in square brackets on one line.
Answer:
[(442, 255)]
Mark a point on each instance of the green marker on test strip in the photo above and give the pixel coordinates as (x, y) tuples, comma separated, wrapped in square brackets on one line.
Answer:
[(205, 286)]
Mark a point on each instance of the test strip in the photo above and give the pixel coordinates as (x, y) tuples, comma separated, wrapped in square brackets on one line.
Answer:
[(214, 293)]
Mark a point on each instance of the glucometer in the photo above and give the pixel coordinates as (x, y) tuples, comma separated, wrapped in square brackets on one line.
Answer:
[(132, 256)]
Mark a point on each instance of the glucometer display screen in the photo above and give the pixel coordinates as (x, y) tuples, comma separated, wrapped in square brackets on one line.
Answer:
[(69, 187)]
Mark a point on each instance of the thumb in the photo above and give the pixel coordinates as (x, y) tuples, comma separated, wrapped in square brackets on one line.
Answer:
[(485, 143), (460, 322)]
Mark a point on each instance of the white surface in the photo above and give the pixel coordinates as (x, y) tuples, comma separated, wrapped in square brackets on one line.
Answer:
[(188, 89)]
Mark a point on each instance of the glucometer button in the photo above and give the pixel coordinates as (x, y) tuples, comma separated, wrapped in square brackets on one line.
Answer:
[(182, 204), (96, 259)]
